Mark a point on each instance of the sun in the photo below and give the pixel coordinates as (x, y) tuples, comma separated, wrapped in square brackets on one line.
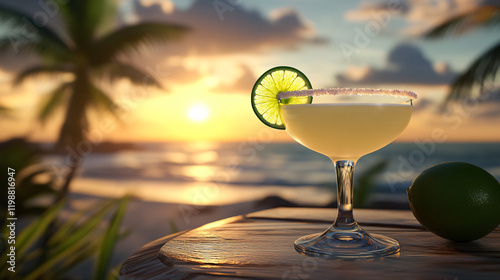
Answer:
[(198, 112)]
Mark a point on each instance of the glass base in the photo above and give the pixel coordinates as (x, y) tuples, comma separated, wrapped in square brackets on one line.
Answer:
[(335, 243)]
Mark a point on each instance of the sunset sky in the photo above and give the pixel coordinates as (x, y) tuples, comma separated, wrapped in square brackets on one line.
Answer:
[(210, 73)]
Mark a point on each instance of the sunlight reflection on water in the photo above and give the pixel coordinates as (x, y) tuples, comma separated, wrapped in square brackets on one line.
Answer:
[(188, 172), (201, 193), (198, 172)]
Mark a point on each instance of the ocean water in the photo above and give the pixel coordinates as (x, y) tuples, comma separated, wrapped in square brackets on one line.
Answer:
[(225, 173)]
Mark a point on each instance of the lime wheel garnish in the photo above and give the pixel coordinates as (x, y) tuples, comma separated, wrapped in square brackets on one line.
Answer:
[(265, 101)]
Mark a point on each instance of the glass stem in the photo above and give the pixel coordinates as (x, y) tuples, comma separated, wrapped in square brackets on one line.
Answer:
[(345, 173)]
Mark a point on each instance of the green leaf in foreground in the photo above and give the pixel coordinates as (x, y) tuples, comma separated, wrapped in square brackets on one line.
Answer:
[(79, 237), (109, 239)]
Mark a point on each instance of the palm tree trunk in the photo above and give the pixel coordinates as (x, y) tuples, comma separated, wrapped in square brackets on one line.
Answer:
[(75, 123), (67, 181), (70, 136)]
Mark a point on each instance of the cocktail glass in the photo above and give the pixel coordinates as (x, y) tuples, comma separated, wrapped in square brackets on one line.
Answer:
[(345, 124)]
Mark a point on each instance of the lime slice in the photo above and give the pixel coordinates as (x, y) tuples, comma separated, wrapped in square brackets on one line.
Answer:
[(265, 102)]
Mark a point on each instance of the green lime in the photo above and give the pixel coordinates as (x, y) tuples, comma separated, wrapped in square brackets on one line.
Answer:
[(265, 92), (456, 200)]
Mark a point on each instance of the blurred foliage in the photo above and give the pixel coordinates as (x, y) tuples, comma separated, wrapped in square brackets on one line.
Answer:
[(173, 226), (484, 69), (365, 181), (82, 235), (50, 246), (33, 180)]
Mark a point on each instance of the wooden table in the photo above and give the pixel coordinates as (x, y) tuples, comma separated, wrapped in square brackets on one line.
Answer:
[(260, 246)]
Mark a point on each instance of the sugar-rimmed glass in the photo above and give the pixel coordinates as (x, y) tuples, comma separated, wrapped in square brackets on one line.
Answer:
[(346, 124)]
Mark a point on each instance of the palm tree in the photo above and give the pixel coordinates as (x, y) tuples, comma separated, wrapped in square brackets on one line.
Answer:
[(485, 67), (82, 48)]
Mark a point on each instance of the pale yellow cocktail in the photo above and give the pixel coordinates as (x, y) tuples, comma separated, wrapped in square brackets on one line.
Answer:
[(324, 128)]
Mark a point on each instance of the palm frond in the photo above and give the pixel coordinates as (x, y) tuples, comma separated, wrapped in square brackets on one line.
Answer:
[(44, 51), (132, 38), (484, 68), (109, 240), (23, 27), (72, 260), (41, 70), (54, 100), (72, 246), (84, 18), (102, 101), (114, 273), (116, 71), (98, 13), (29, 235), (487, 17)]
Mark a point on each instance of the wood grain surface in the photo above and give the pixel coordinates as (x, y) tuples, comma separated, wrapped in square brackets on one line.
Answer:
[(260, 246)]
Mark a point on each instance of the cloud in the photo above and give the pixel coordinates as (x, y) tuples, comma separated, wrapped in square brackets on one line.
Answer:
[(10, 60), (406, 64), (13, 62), (373, 10), (423, 104), (219, 27), (489, 105), (166, 5), (419, 15), (223, 27), (475, 109), (182, 75), (243, 84), (490, 113)]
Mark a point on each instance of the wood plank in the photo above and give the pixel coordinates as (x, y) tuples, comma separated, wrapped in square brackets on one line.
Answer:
[(403, 218), (145, 264), (260, 246)]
